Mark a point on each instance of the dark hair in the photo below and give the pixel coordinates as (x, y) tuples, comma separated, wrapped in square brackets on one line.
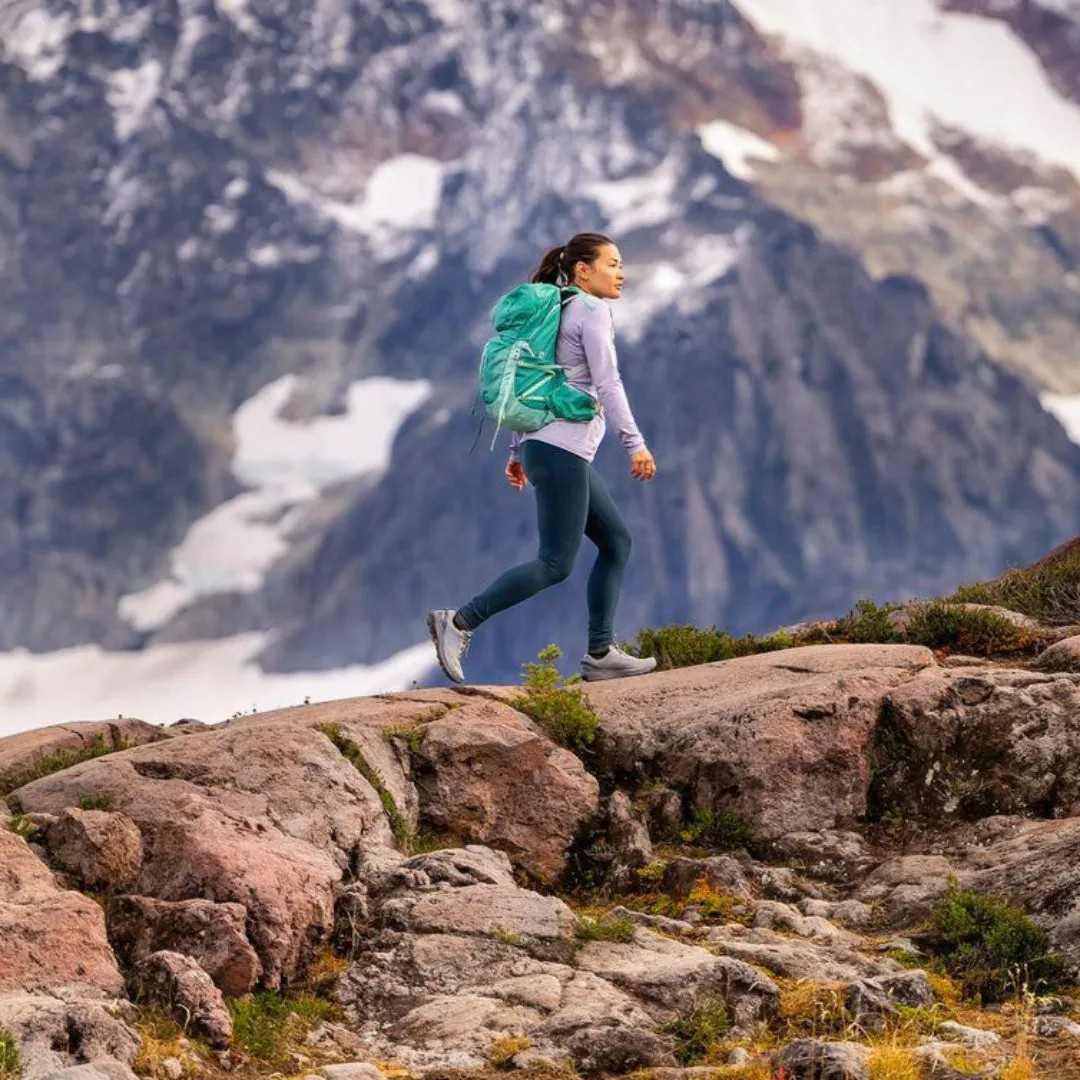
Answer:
[(557, 265)]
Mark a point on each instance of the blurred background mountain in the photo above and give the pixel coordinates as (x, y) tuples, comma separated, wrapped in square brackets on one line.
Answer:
[(247, 253)]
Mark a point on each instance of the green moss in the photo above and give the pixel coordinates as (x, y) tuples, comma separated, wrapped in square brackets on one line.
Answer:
[(399, 826), (267, 1025), (96, 802), (55, 761), (992, 949), (696, 1033), (10, 1064), (558, 705)]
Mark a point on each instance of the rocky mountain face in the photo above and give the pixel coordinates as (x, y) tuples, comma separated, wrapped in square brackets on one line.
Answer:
[(460, 892), (834, 352)]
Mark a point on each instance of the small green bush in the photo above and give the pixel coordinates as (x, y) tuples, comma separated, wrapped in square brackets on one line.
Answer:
[(866, 624), (680, 645), (102, 801), (266, 1024), (21, 825), (55, 761), (940, 625), (10, 1064), (558, 705), (605, 928), (697, 1033), (722, 830), (992, 949)]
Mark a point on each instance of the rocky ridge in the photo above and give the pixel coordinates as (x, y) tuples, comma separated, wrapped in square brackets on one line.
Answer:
[(473, 895)]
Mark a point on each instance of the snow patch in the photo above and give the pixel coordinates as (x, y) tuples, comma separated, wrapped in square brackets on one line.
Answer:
[(736, 147), (960, 70), (35, 40), (286, 464), (680, 281), (209, 681), (1066, 409), (637, 201), (131, 94)]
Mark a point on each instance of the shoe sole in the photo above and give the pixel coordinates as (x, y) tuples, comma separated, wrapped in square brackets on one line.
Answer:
[(434, 632)]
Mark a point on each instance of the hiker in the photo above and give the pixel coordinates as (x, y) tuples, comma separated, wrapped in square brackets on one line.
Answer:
[(571, 499)]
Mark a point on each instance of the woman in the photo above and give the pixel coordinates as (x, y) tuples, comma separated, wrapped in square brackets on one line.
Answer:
[(571, 499)]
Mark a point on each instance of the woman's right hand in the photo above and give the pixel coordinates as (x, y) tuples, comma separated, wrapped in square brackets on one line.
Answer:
[(515, 475)]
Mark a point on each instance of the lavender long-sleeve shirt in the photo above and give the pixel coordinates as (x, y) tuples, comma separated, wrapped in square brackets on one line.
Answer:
[(586, 349)]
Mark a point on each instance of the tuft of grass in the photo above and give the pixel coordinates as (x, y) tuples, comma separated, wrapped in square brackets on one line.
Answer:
[(1019, 1068), (893, 1063), (399, 825), (504, 1050), (558, 705), (268, 1026), (992, 949), (102, 801), (604, 928), (681, 645), (697, 1033), (56, 761), (720, 830), (10, 1062), (161, 1037), (21, 825), (412, 735), (812, 1010), (940, 625)]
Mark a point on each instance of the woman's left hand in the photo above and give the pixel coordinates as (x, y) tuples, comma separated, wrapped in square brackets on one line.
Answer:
[(642, 465)]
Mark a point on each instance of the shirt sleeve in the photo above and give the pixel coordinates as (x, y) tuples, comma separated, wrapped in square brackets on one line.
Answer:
[(515, 446), (598, 340)]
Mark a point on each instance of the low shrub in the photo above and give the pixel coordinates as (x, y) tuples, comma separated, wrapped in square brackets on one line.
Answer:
[(721, 830), (696, 1033), (10, 1063), (992, 949), (1049, 591), (940, 625), (680, 645), (866, 624), (605, 928), (558, 705), (268, 1025)]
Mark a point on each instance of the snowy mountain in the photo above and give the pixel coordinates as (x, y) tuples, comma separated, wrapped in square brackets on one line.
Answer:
[(247, 252)]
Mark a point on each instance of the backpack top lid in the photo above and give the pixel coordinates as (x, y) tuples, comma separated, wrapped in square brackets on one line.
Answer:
[(520, 306)]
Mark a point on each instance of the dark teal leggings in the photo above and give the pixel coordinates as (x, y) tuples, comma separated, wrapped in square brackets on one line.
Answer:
[(571, 502)]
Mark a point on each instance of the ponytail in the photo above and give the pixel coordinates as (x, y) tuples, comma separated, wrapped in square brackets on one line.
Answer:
[(551, 271), (557, 265)]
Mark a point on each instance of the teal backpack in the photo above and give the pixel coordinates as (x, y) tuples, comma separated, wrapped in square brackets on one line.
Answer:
[(522, 385)]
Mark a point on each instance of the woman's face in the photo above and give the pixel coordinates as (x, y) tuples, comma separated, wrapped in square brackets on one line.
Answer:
[(604, 276)]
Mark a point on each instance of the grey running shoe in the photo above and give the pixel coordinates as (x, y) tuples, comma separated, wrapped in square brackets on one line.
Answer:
[(615, 664), (451, 644)]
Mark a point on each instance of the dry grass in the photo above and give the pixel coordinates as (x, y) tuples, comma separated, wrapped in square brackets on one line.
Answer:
[(163, 1038), (893, 1063), (504, 1050)]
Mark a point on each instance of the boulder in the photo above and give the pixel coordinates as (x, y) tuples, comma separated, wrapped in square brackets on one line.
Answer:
[(628, 842), (779, 738), (966, 745), (267, 816), (213, 935), (24, 753), (33, 910), (102, 850), (811, 1059), (870, 1001), (487, 774), (179, 987), (671, 977), (98, 1070), (500, 910), (1063, 655), (67, 1028)]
